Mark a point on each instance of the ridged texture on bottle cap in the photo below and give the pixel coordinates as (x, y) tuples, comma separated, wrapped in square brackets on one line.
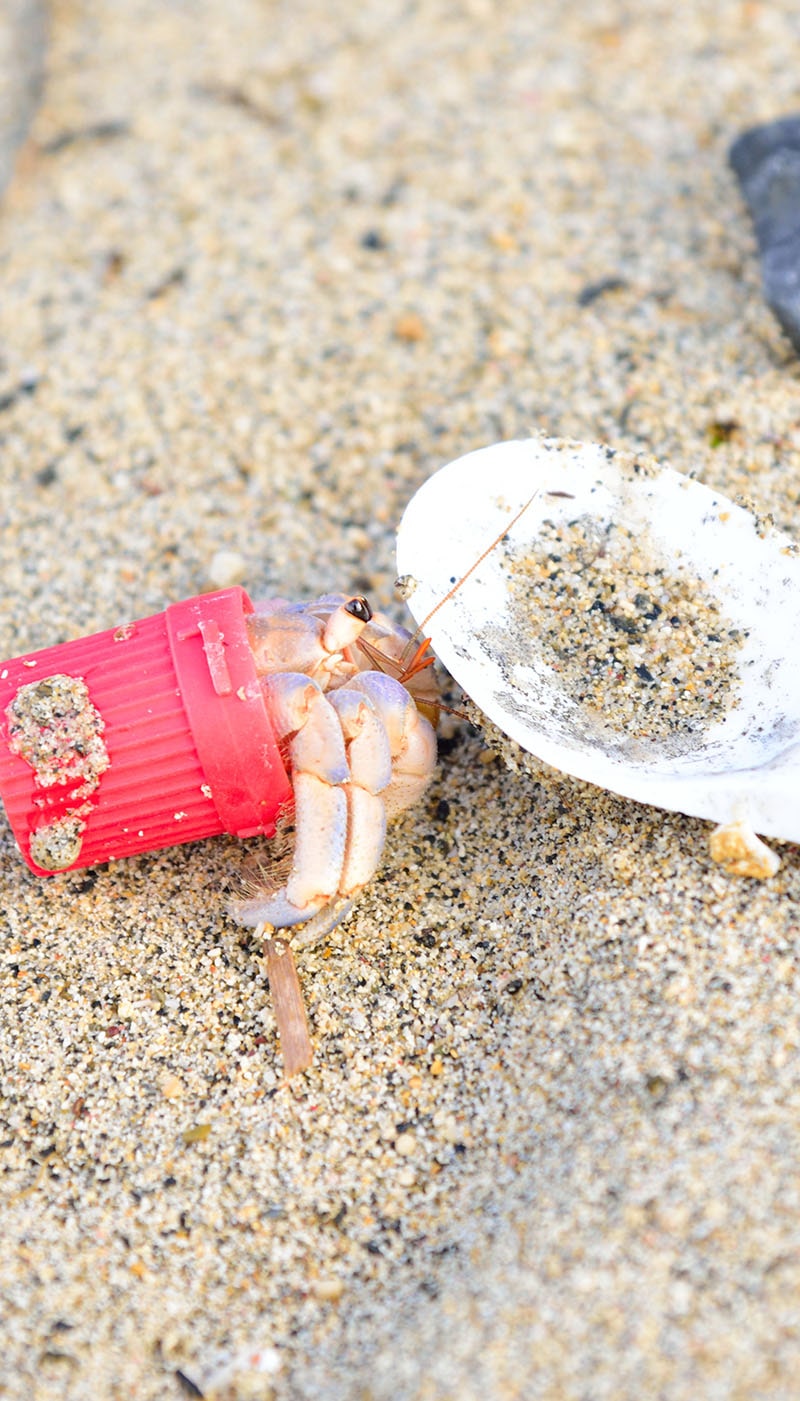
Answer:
[(106, 763)]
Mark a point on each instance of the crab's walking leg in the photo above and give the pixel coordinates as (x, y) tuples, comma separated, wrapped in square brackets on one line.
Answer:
[(355, 754), (302, 717), (412, 740), (340, 760), (370, 761)]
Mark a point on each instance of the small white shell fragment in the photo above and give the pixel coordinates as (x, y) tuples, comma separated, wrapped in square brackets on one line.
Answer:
[(561, 634), (226, 567), (738, 850), (245, 1374)]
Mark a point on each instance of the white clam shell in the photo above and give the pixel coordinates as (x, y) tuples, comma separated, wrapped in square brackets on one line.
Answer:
[(739, 762)]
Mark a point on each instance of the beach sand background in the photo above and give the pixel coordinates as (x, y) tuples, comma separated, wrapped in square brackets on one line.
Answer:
[(263, 268)]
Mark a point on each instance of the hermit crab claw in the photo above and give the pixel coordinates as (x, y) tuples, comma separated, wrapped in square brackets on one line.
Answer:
[(631, 626)]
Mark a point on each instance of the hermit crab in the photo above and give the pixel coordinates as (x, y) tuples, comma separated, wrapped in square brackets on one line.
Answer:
[(351, 703)]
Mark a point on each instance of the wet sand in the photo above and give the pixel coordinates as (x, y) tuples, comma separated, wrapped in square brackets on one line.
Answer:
[(263, 269)]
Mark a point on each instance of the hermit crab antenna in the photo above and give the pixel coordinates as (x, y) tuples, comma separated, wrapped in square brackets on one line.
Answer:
[(414, 666)]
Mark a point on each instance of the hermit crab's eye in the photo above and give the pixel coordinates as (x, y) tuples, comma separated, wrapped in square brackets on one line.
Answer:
[(359, 608)]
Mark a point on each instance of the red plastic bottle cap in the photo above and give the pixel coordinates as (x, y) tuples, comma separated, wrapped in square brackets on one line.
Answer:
[(140, 737)]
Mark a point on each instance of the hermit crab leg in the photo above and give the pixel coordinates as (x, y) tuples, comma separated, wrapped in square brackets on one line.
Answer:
[(301, 716), (357, 754), (412, 740), (370, 760), (341, 761)]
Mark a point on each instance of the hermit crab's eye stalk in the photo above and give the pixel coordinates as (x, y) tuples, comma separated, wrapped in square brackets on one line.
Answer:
[(359, 608), (346, 624)]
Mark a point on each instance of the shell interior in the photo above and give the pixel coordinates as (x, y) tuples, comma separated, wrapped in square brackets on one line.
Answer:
[(632, 627)]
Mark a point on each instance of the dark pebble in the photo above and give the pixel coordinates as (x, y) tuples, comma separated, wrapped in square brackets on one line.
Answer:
[(594, 290), (373, 240), (187, 1386), (626, 625), (766, 161)]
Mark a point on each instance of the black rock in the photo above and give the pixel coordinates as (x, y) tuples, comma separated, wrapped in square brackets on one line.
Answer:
[(766, 161)]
